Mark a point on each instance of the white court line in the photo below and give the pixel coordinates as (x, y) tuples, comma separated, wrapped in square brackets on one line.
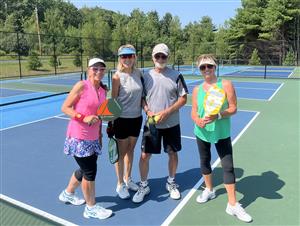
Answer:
[(37, 211), (27, 123), (174, 213), (20, 89), (276, 91)]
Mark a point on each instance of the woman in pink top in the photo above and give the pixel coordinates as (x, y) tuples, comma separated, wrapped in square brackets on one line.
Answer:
[(84, 138)]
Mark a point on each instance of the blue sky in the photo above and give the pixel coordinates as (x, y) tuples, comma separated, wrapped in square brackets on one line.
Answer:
[(186, 10)]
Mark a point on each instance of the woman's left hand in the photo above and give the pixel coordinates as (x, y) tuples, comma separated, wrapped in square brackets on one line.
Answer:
[(210, 118)]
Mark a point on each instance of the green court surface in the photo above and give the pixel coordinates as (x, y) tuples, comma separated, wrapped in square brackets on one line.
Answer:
[(266, 161)]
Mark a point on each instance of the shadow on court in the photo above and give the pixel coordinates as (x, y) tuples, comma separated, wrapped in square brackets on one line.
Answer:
[(158, 192), (266, 185)]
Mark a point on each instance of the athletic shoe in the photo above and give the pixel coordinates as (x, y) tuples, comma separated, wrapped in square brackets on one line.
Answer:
[(131, 185), (140, 194), (172, 189), (97, 211), (238, 211), (71, 198), (206, 195), (122, 191)]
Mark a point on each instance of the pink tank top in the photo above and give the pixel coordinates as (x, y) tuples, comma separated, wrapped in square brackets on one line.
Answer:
[(87, 104)]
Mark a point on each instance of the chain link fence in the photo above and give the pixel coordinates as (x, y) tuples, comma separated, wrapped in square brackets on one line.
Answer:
[(26, 54)]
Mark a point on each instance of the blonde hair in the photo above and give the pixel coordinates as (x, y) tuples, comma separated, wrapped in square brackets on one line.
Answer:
[(206, 57), (120, 66)]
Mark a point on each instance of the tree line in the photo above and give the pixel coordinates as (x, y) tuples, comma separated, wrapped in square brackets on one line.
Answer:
[(263, 30)]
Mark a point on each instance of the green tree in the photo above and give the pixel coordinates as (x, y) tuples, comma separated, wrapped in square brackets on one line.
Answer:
[(77, 60), (254, 60), (34, 62), (53, 61), (289, 59)]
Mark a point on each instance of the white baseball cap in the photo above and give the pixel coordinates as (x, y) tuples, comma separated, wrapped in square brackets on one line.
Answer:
[(95, 61), (161, 48)]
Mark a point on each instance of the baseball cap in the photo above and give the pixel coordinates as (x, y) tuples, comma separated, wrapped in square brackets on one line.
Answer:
[(125, 51), (161, 48), (207, 60), (94, 61)]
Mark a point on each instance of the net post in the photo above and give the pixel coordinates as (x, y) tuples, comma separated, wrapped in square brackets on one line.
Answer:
[(265, 74), (109, 76)]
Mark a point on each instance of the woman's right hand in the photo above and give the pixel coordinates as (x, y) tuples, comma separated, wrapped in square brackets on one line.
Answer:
[(91, 119), (201, 122)]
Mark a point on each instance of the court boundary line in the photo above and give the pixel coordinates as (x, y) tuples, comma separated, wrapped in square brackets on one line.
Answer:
[(27, 94), (179, 207), (21, 89), (27, 123), (271, 97), (36, 211)]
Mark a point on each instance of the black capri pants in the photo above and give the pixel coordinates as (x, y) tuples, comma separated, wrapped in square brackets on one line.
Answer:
[(88, 167), (224, 149)]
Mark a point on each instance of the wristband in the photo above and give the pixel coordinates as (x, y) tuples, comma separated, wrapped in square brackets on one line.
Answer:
[(219, 116), (79, 117)]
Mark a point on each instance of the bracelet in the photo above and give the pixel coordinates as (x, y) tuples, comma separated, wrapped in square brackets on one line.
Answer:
[(79, 117)]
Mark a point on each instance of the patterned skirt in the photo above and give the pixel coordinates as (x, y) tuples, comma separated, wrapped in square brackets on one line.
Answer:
[(81, 148)]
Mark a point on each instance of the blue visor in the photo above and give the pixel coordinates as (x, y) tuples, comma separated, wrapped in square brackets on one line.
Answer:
[(126, 51)]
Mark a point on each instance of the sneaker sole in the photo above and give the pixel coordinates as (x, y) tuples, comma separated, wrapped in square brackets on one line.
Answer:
[(68, 202), (213, 197), (142, 199), (232, 214), (87, 216)]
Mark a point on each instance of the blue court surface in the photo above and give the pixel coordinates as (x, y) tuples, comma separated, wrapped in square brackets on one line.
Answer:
[(35, 170), (58, 82), (247, 90), (11, 95)]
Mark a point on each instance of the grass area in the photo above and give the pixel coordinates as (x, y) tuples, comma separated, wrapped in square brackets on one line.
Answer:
[(13, 215), (10, 66)]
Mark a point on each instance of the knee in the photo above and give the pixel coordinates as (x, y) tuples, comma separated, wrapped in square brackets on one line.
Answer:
[(145, 157), (78, 175), (90, 175)]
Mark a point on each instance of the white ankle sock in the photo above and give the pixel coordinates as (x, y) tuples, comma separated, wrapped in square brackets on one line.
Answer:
[(170, 180)]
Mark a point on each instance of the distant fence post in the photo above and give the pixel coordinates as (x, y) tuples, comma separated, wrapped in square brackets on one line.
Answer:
[(19, 55), (81, 54), (54, 55)]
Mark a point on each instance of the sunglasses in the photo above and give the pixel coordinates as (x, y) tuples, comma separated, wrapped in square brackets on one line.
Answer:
[(203, 67), (162, 56), (129, 56), (96, 69)]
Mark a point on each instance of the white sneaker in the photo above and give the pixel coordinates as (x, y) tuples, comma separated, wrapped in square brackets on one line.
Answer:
[(172, 189), (206, 195), (239, 212), (131, 185), (140, 194), (122, 191), (72, 198), (97, 211)]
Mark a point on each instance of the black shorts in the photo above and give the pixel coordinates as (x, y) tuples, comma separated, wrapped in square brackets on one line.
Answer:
[(127, 127), (152, 137), (88, 166)]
